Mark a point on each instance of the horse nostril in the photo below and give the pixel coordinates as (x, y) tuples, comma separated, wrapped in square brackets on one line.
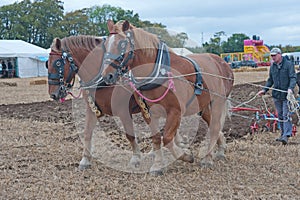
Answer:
[(54, 97), (109, 78)]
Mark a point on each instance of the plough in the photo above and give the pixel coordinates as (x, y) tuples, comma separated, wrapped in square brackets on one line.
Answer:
[(271, 119)]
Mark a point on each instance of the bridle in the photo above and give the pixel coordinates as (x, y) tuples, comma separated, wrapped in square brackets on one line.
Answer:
[(122, 61), (58, 77)]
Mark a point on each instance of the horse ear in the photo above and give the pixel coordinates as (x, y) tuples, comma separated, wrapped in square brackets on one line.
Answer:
[(56, 44), (110, 26), (126, 26), (98, 40)]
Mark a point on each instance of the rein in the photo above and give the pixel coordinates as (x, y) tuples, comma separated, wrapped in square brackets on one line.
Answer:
[(170, 86), (75, 97)]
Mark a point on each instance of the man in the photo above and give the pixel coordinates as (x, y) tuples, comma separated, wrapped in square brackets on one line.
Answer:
[(4, 69), (282, 77), (10, 69)]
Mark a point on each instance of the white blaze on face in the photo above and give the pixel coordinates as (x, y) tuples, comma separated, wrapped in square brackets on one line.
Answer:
[(110, 41)]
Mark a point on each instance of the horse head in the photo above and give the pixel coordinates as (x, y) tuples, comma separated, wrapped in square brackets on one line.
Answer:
[(120, 50), (61, 71), (128, 47), (68, 57)]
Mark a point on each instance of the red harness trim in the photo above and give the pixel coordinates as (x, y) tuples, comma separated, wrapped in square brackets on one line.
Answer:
[(54, 53)]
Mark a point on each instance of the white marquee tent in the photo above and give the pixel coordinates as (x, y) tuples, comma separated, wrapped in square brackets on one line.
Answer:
[(182, 51), (28, 59)]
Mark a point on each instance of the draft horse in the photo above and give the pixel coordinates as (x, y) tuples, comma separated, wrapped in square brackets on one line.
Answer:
[(83, 55), (172, 86)]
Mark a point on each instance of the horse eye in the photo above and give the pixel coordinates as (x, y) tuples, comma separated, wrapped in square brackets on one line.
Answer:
[(58, 63), (46, 64)]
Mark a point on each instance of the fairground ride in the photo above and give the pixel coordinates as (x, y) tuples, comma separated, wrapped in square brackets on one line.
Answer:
[(254, 50)]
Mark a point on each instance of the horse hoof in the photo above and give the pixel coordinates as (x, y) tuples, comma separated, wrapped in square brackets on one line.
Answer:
[(157, 173), (206, 164), (156, 169), (151, 154), (221, 157), (135, 161), (187, 158), (135, 164), (84, 167), (84, 163)]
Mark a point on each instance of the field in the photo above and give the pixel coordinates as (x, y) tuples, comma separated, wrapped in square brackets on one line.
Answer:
[(40, 149)]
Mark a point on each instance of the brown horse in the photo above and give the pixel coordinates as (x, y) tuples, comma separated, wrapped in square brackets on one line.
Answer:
[(173, 86), (83, 55)]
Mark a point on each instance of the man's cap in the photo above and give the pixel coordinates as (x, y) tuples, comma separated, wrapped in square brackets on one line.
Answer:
[(275, 51)]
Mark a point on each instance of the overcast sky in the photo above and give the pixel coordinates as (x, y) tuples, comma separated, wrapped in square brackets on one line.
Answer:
[(276, 22)]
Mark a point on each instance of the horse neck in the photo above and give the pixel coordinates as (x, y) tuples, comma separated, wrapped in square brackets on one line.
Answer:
[(144, 61), (88, 63)]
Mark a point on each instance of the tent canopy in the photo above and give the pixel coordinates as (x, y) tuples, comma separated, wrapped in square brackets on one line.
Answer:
[(19, 48), (29, 59)]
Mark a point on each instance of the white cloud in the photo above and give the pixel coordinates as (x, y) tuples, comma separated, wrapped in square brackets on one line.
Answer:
[(275, 22)]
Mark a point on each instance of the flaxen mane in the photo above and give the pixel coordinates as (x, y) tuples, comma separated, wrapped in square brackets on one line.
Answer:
[(73, 42), (145, 39)]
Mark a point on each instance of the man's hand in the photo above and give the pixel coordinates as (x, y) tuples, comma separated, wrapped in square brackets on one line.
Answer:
[(260, 93), (290, 91)]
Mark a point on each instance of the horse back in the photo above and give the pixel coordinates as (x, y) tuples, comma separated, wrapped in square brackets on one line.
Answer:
[(217, 74)]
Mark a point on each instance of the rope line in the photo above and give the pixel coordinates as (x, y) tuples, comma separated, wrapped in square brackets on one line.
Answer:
[(293, 104)]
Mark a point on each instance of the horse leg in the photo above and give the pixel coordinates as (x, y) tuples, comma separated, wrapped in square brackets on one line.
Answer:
[(124, 112), (90, 123), (169, 136), (215, 120), (220, 155), (128, 126), (156, 168), (179, 141), (136, 153), (221, 142)]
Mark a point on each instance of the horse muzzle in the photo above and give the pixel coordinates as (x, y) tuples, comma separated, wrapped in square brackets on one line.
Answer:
[(110, 78), (59, 94)]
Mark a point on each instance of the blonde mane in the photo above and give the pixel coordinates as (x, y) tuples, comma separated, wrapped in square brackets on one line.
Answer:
[(75, 42), (143, 39)]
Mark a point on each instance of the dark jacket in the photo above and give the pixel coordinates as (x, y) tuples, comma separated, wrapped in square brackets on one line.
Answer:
[(282, 76)]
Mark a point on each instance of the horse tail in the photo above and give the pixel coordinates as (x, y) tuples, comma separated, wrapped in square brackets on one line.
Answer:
[(226, 112), (228, 109)]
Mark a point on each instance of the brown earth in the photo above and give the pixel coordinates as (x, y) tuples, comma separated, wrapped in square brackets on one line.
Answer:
[(40, 150)]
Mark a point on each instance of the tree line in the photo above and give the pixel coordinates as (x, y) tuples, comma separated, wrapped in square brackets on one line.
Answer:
[(235, 43), (40, 21)]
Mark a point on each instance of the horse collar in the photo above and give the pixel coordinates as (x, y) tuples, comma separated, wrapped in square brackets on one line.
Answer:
[(160, 72)]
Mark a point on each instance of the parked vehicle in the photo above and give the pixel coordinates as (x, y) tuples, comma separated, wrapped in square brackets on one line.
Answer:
[(243, 63), (249, 63), (235, 65)]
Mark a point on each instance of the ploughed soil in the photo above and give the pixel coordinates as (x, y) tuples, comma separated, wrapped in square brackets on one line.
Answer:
[(41, 146)]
